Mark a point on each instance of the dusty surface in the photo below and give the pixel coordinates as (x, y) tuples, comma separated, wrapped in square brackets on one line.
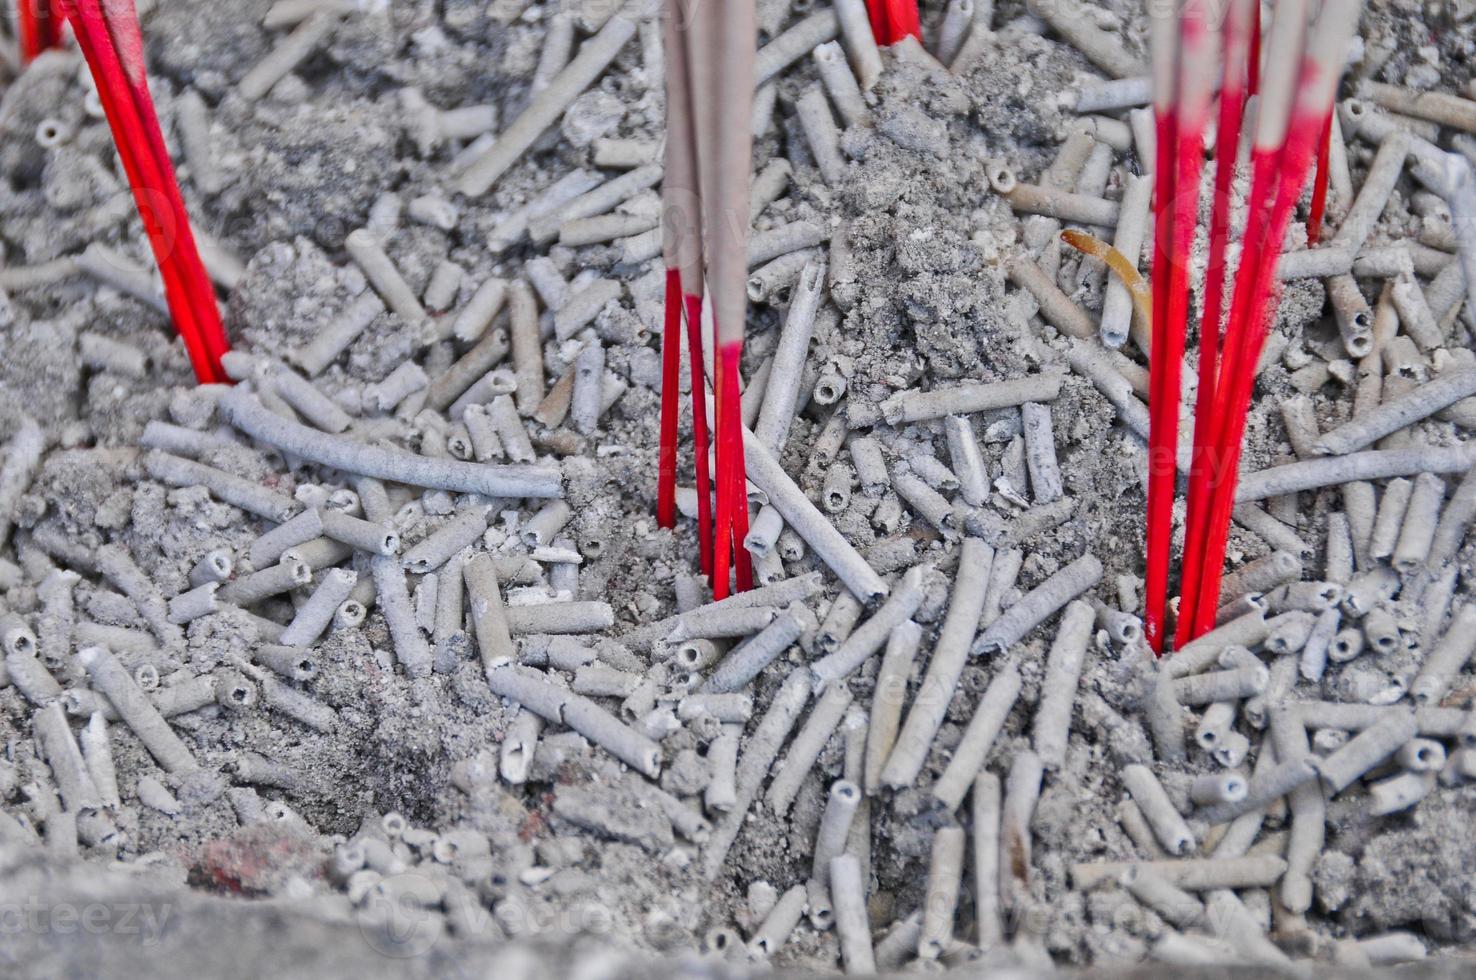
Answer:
[(930, 305)]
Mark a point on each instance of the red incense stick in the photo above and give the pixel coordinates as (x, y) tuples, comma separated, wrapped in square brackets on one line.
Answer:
[(671, 371), (1319, 186), (1227, 143), (1197, 43), (1253, 55), (1271, 126), (701, 438), (123, 27), (1162, 21)]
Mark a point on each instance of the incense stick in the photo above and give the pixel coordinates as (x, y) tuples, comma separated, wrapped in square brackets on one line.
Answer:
[(1319, 185), (1164, 45)]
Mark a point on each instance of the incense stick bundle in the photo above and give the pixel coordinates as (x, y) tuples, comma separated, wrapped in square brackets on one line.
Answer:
[(682, 251), (1183, 81), (111, 41), (1300, 84), (721, 65), (1234, 77), (39, 26)]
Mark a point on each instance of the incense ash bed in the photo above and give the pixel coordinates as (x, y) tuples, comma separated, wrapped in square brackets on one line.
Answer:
[(597, 488)]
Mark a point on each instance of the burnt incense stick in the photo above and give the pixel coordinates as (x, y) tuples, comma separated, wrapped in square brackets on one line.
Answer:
[(1138, 288)]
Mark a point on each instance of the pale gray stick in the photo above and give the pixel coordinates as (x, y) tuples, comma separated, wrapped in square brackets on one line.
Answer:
[(1022, 792), (64, 756), (973, 748), (887, 700), (842, 85), (1040, 603), (1374, 464), (1404, 410), (1454, 520), (852, 927), (1102, 48), (869, 637), (243, 410), (806, 521), (745, 663), (376, 539), (949, 657), (835, 826), (789, 359), (248, 495), (393, 598), (855, 32), (594, 56), (189, 606), (1168, 825), (806, 747), (1443, 665), (1058, 690), (306, 400), (364, 248), (1373, 195), (327, 344), (762, 748), (112, 680), (940, 906), (1190, 874), (1366, 750), (796, 42), (917, 406), (22, 456), (1417, 531), (314, 615), (1132, 224), (461, 531), (287, 54)]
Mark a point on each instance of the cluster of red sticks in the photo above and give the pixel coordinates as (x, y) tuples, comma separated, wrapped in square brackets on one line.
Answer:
[(705, 191), (1304, 59), (39, 24), (108, 33)]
